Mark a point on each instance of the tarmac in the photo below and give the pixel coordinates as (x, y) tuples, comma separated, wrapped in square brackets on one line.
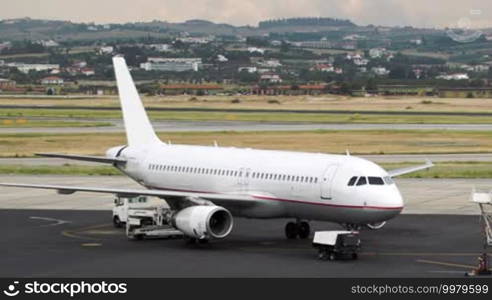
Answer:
[(51, 235), (74, 243)]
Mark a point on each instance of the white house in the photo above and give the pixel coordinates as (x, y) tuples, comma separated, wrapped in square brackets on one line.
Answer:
[(106, 50), (380, 71), (52, 80), (457, 76), (254, 49), (270, 78), (247, 69)]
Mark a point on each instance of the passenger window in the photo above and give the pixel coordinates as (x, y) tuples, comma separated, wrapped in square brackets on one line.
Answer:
[(362, 181), (376, 181), (352, 181)]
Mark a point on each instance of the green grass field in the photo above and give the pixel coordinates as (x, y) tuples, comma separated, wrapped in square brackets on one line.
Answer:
[(19, 123)]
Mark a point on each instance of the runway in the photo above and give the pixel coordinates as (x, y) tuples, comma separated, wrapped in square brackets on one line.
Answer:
[(184, 126), (69, 243)]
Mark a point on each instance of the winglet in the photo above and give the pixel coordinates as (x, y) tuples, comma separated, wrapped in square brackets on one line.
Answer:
[(139, 131)]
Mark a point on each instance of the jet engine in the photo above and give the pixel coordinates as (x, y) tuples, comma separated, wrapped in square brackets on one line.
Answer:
[(203, 221)]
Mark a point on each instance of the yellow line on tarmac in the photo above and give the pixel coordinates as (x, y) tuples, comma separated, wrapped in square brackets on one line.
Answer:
[(444, 263), (74, 233), (91, 245)]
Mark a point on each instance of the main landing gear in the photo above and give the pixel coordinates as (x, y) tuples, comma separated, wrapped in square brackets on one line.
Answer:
[(299, 229)]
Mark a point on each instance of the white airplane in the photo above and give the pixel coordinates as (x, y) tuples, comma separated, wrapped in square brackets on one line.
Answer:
[(206, 186)]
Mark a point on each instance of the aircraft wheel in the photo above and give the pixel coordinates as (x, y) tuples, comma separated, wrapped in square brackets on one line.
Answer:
[(117, 222), (304, 230), (291, 230)]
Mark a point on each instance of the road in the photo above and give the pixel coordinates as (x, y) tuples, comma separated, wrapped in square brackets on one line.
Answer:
[(184, 126)]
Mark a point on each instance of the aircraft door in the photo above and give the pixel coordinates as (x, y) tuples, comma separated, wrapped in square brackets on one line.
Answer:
[(244, 178), (327, 180)]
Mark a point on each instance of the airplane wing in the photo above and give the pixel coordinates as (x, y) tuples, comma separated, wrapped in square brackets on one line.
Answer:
[(98, 159), (407, 170), (183, 196)]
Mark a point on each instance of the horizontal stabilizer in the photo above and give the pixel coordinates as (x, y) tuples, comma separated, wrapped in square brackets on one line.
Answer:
[(97, 159)]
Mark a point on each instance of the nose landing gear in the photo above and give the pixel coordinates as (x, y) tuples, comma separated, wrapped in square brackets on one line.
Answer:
[(299, 229)]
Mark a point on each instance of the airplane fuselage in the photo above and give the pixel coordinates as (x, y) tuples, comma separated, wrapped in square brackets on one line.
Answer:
[(286, 184)]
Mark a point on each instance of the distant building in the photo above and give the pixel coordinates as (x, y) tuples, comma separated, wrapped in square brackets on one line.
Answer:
[(5, 45), (196, 40), (257, 50), (380, 71), (6, 84), (248, 69), (87, 71), (52, 80), (172, 64), (161, 47), (106, 50), (361, 61), (354, 37), (222, 58), (270, 78), (271, 63), (321, 44), (457, 76), (323, 68), (377, 52), (481, 68), (79, 64), (26, 68), (48, 43)]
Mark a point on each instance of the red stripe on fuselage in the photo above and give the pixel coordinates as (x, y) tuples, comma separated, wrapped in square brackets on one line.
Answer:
[(292, 201)]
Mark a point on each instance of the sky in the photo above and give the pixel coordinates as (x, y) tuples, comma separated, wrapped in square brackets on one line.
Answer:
[(417, 13)]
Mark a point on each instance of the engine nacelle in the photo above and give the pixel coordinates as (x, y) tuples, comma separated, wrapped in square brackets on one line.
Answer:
[(204, 222)]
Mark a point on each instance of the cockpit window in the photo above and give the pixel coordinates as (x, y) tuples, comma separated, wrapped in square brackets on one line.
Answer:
[(352, 181), (388, 180), (362, 181), (376, 181)]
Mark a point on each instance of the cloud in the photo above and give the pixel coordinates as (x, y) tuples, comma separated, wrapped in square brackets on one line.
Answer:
[(421, 13)]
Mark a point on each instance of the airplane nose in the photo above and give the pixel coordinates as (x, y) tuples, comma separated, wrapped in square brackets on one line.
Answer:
[(385, 204)]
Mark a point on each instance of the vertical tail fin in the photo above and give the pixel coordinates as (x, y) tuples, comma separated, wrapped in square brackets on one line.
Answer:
[(137, 125)]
